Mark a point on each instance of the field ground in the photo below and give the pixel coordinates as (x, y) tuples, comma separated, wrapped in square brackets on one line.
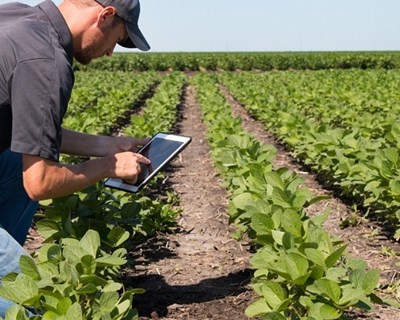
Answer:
[(200, 272)]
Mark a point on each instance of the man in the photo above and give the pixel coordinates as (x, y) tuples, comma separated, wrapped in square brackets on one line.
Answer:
[(37, 47)]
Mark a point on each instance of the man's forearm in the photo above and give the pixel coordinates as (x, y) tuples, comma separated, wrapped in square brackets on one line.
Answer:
[(81, 144), (45, 179)]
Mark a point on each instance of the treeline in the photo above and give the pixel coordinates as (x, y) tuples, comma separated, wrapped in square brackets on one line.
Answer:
[(263, 61)]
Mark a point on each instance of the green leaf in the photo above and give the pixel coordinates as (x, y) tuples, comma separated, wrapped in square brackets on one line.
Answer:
[(257, 308), (392, 155), (53, 254), (118, 236), (243, 200), (89, 264), (320, 219), (23, 290), (366, 281), (291, 222), (28, 267), (324, 311), (297, 267), (354, 263), (51, 315), (47, 228), (316, 256), (87, 289), (16, 312), (274, 179), (74, 312), (280, 198), (91, 242), (351, 296), (108, 301), (332, 259), (124, 306), (71, 273), (93, 279), (110, 261), (288, 241), (326, 287), (371, 280), (335, 273), (112, 286), (278, 236), (63, 305), (273, 293), (261, 223)]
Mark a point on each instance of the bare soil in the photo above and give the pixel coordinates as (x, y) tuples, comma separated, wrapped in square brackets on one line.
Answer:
[(201, 272)]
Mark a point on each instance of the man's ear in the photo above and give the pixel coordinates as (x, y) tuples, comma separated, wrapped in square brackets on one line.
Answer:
[(105, 15)]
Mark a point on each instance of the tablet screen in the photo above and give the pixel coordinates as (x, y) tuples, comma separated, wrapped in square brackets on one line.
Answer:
[(158, 151)]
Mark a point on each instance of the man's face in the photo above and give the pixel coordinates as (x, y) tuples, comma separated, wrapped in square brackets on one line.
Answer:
[(100, 41)]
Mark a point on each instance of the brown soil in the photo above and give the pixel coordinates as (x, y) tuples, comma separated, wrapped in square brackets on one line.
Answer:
[(201, 272)]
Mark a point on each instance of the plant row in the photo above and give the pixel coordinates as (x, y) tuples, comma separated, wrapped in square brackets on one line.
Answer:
[(76, 274), (301, 272), (100, 100), (344, 125), (231, 61)]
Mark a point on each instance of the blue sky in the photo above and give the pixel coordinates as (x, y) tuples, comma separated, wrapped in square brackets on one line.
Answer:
[(265, 25)]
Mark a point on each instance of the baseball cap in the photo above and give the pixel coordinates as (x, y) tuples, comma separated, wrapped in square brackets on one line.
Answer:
[(129, 10)]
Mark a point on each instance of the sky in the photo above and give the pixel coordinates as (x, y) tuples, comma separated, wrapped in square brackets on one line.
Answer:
[(266, 25)]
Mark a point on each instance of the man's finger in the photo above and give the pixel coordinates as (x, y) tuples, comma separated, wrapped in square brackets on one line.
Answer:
[(142, 159)]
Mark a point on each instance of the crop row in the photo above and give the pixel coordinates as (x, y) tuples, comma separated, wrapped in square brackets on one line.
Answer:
[(344, 125), (76, 273), (301, 272), (97, 105), (245, 61)]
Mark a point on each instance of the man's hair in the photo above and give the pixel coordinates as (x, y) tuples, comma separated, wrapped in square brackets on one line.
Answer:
[(84, 3)]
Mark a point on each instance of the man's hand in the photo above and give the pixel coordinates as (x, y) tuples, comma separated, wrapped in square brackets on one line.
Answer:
[(130, 144), (127, 166)]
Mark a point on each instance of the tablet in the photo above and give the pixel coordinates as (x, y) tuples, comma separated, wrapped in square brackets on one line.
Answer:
[(161, 149)]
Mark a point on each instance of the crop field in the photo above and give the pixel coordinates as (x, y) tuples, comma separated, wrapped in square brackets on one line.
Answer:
[(286, 205)]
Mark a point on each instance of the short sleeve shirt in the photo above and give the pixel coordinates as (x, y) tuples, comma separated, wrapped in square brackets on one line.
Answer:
[(36, 78)]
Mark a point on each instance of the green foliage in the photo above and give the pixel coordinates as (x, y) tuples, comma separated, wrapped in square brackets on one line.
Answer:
[(266, 61), (117, 215), (301, 272), (72, 280), (343, 124), (102, 99)]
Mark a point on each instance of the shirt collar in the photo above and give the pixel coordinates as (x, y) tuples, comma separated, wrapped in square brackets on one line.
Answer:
[(59, 25)]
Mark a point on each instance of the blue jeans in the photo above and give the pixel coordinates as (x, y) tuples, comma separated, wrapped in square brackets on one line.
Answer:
[(16, 215), (10, 252)]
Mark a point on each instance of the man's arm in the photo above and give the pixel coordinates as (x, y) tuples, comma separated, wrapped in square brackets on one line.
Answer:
[(81, 144), (45, 179)]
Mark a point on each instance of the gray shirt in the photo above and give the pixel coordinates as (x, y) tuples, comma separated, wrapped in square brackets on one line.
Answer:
[(36, 78)]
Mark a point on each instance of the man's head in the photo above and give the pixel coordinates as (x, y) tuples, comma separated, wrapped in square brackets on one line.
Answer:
[(128, 11), (98, 25)]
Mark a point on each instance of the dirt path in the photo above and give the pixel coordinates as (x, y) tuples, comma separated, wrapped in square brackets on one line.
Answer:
[(201, 273)]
